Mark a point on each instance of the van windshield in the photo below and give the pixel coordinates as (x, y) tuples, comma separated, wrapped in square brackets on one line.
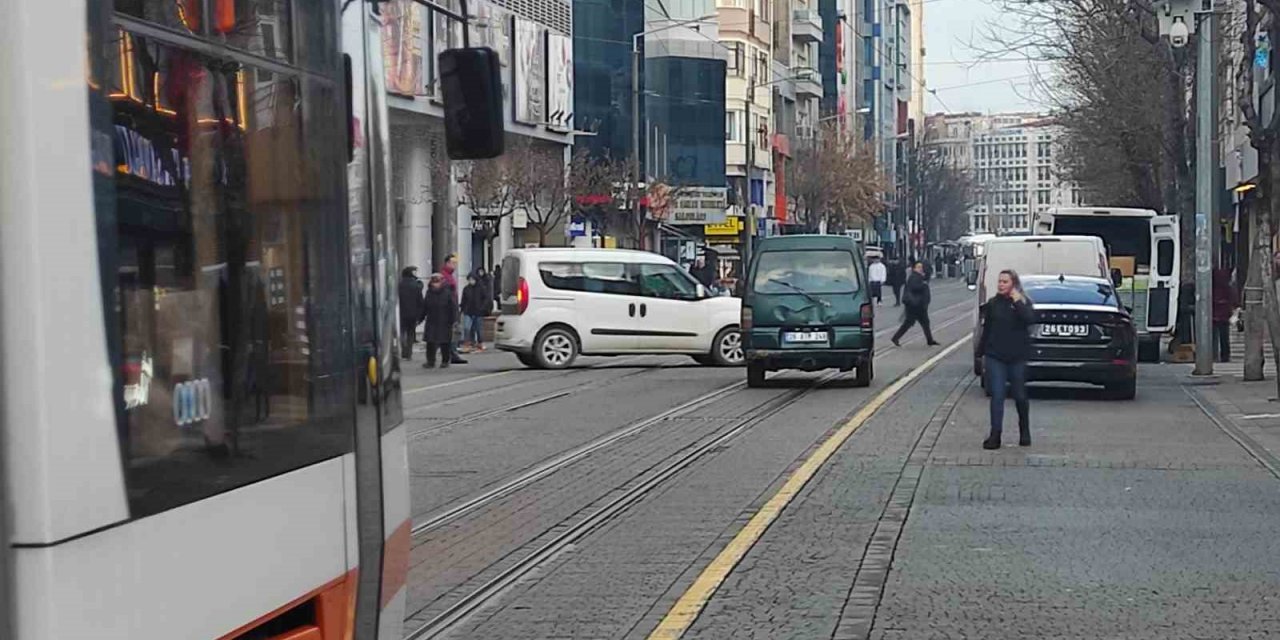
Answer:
[(816, 271)]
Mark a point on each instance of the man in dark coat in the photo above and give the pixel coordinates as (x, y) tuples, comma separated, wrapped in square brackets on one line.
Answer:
[(916, 299), (439, 313), (410, 310), (896, 277), (704, 273)]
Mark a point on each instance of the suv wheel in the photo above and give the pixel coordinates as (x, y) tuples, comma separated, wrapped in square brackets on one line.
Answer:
[(726, 349), (865, 373), (555, 348)]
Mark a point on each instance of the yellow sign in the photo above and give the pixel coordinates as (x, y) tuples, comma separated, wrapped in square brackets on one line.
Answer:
[(730, 227)]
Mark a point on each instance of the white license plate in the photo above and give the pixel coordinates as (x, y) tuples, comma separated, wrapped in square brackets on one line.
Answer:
[(1064, 330), (804, 336)]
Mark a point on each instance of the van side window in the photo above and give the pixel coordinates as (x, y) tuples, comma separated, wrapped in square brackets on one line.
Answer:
[(589, 277), (666, 281)]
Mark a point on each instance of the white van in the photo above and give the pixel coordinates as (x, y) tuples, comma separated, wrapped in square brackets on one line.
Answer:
[(1033, 255), (558, 304)]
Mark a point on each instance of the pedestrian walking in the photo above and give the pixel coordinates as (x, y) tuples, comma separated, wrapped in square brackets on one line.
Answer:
[(439, 315), (495, 286), (877, 273), (704, 273), (916, 298), (410, 291), (1004, 346), (449, 272), (895, 279), (475, 306), (1224, 303)]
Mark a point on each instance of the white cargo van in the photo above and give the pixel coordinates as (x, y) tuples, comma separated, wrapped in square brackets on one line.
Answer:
[(1033, 255), (1143, 245)]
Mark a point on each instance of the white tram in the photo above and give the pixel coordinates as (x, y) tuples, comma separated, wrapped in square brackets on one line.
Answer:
[(201, 422)]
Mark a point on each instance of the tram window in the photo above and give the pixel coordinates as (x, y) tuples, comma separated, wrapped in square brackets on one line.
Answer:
[(232, 302)]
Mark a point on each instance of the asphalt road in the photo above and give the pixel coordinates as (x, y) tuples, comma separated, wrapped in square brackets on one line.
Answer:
[(651, 497)]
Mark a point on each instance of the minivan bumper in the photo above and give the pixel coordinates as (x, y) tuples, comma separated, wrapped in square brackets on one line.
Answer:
[(808, 359), (510, 335)]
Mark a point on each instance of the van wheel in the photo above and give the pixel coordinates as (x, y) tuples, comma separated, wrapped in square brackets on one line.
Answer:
[(555, 348), (755, 376), (527, 360), (866, 372), (726, 349)]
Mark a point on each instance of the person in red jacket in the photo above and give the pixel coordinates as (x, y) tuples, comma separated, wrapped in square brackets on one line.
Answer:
[(1224, 303)]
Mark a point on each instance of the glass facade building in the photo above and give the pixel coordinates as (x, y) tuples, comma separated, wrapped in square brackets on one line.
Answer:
[(684, 113)]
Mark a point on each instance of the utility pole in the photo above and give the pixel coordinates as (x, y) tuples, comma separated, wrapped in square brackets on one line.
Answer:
[(750, 227), (636, 123), (1205, 124)]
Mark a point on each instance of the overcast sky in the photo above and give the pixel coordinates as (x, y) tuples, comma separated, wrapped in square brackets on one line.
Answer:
[(952, 28)]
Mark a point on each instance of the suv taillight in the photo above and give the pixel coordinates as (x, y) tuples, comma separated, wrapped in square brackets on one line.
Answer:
[(522, 296), (746, 319), (868, 316)]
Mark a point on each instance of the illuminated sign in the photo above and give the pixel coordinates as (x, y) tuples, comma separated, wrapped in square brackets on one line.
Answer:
[(137, 156)]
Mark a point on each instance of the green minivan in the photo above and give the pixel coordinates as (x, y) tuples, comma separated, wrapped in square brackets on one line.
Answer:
[(805, 306)]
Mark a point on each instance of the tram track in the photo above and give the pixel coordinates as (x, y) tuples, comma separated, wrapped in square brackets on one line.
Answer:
[(531, 476), (626, 497), (573, 528)]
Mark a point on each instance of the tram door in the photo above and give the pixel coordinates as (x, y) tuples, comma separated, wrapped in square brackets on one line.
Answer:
[(381, 474)]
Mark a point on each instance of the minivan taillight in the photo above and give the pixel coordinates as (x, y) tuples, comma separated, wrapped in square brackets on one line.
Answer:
[(522, 296), (746, 319), (868, 318)]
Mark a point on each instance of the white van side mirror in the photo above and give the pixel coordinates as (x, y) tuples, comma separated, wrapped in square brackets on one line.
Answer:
[(702, 292)]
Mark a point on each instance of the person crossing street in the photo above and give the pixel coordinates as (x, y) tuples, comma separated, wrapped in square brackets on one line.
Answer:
[(916, 299), (877, 274)]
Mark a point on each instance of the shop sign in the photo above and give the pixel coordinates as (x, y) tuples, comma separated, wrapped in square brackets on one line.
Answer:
[(577, 227), (730, 227), (699, 205)]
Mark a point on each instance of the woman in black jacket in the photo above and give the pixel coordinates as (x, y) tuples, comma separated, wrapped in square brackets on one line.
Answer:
[(1004, 346), (439, 313)]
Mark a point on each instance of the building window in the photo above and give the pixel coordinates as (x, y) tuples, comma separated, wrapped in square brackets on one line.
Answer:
[(1042, 196), (736, 59), (733, 126)]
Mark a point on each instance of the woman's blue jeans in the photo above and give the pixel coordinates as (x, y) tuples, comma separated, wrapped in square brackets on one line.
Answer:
[(1008, 378)]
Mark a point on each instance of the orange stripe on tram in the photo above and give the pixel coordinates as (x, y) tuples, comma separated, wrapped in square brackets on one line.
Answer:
[(395, 561), (332, 619)]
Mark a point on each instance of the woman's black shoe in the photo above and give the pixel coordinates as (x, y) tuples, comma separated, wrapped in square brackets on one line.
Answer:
[(990, 444)]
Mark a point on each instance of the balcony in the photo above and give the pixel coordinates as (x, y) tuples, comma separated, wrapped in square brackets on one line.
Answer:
[(808, 82), (806, 25)]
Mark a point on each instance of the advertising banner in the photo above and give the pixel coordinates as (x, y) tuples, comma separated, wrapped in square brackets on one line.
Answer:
[(530, 72), (559, 81), (403, 27)]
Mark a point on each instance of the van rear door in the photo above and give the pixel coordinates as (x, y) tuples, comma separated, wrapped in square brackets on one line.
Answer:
[(1162, 290)]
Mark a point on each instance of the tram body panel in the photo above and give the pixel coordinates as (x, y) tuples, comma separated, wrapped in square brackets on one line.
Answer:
[(199, 571)]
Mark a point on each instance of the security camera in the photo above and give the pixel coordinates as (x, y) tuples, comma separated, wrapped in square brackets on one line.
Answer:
[(1179, 34)]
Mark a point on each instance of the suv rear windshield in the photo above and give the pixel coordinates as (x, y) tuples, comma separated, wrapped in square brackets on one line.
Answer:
[(813, 271), (1055, 292)]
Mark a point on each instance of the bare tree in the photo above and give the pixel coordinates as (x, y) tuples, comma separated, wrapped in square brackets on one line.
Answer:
[(1264, 135), (833, 181), (945, 192)]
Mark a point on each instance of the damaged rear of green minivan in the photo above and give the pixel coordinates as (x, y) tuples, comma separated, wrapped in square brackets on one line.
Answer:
[(806, 306)]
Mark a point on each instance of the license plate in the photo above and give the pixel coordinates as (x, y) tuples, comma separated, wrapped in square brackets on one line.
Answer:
[(804, 336), (1064, 330)]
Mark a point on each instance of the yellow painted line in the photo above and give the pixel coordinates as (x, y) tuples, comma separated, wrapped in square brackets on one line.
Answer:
[(691, 603)]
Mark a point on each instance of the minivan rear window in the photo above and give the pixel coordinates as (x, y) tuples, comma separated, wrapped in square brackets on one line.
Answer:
[(811, 271), (510, 276)]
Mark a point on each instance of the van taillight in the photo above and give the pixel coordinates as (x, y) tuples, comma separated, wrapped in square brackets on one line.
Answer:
[(522, 296), (868, 316), (746, 319)]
